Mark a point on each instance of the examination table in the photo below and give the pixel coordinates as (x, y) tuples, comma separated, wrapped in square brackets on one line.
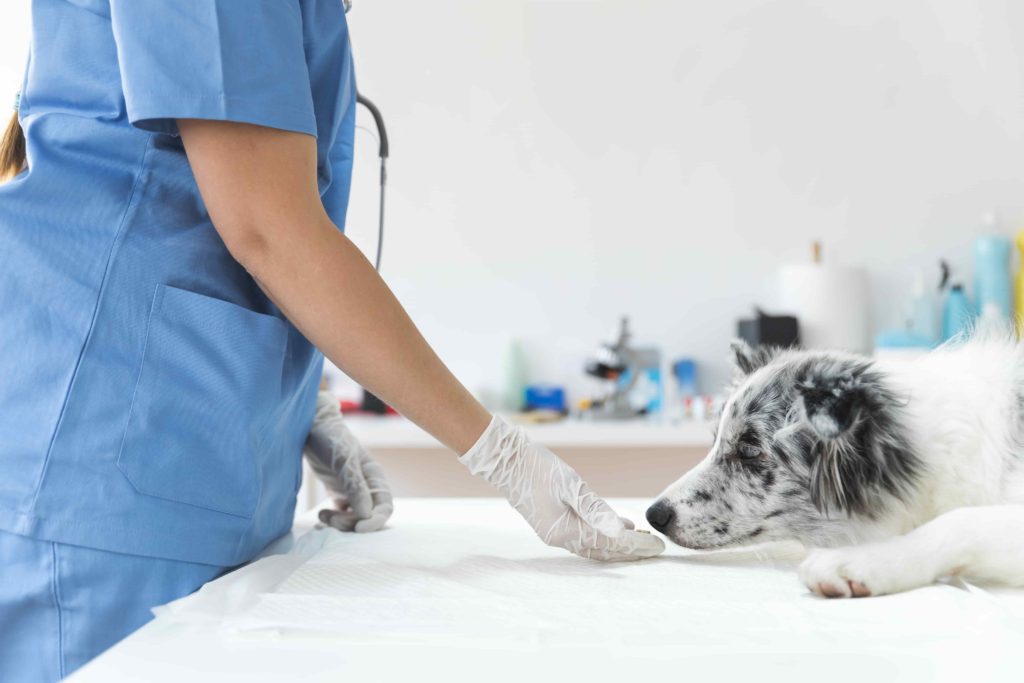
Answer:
[(461, 589)]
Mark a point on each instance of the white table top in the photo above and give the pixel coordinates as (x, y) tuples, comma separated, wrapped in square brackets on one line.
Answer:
[(460, 589), (397, 432)]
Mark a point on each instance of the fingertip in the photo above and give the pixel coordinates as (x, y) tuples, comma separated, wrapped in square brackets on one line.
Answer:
[(645, 545), (338, 520), (380, 514), (373, 522)]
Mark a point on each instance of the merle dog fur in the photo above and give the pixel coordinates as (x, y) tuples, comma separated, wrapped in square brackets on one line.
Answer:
[(914, 468), (812, 438)]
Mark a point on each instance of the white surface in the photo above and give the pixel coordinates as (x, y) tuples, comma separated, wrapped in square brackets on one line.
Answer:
[(397, 432), (556, 163), (831, 303), (460, 590)]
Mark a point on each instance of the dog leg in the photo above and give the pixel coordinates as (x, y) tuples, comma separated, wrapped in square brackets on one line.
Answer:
[(984, 544)]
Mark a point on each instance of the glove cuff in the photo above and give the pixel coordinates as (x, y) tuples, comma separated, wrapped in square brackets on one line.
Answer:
[(486, 455)]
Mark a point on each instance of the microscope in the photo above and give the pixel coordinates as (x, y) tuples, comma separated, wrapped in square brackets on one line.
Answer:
[(622, 366)]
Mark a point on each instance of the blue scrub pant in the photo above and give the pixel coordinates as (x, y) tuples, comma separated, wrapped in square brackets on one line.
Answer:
[(61, 605)]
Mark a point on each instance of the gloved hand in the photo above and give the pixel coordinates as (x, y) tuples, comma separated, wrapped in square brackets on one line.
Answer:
[(362, 497), (553, 499)]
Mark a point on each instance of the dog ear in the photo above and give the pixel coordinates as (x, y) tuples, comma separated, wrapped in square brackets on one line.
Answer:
[(841, 476), (857, 445), (749, 358), (829, 402)]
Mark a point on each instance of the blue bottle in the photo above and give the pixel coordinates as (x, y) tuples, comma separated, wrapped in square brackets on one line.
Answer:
[(957, 314), (993, 283), (685, 371), (924, 324)]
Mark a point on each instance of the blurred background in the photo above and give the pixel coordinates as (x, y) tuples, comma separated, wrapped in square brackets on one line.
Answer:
[(559, 164)]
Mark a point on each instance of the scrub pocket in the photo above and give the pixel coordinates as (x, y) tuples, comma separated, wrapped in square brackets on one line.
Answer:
[(209, 384)]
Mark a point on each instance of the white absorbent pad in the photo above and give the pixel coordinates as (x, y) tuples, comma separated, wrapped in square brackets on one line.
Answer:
[(468, 574)]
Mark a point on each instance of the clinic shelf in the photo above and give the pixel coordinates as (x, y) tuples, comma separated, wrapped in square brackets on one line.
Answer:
[(399, 433)]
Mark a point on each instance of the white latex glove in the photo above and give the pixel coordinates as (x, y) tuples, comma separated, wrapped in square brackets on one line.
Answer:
[(553, 499), (362, 497)]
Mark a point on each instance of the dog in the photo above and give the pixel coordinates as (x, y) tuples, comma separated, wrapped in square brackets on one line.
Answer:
[(893, 474)]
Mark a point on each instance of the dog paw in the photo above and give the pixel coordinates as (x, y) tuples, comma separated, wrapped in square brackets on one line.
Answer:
[(861, 572)]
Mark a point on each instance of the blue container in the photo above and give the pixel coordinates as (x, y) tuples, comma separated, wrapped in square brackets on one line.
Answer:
[(685, 371), (545, 397), (957, 314), (992, 284), (902, 339)]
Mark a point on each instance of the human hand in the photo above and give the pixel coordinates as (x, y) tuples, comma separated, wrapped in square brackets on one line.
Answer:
[(362, 497), (553, 498)]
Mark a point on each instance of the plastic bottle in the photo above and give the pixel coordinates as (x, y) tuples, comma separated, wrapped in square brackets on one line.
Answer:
[(923, 316), (514, 384), (957, 314), (992, 271)]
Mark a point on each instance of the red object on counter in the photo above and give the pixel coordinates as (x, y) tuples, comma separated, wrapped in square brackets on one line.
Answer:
[(356, 408)]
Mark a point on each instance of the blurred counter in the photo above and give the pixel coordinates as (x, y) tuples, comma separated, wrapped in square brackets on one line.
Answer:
[(397, 432), (636, 458)]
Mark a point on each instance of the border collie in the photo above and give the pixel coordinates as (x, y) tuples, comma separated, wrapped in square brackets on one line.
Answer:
[(894, 474)]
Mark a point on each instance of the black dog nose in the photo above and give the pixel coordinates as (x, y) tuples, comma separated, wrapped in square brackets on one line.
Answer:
[(660, 515)]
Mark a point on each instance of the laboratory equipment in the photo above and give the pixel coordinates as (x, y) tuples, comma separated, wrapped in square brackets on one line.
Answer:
[(633, 378), (770, 330), (383, 150)]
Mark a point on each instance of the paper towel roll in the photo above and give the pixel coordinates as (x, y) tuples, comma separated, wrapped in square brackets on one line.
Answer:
[(831, 304)]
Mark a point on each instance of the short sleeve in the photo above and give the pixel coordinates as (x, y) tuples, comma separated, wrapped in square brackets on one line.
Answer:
[(228, 60)]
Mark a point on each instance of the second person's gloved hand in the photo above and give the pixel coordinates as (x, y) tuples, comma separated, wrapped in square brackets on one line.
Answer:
[(553, 498), (362, 497)]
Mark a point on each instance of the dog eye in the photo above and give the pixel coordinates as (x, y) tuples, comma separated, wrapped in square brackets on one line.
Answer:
[(748, 452)]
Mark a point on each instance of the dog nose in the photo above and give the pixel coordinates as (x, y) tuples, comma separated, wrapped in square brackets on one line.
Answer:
[(660, 515)]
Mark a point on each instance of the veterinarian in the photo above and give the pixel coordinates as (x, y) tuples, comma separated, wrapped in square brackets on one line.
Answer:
[(171, 260)]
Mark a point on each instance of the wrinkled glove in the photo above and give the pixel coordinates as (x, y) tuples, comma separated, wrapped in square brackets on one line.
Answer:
[(553, 499), (362, 497)]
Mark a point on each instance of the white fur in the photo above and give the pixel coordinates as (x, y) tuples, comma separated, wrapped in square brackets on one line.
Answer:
[(966, 515), (982, 544)]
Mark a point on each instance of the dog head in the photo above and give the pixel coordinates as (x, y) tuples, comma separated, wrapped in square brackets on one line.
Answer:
[(809, 446)]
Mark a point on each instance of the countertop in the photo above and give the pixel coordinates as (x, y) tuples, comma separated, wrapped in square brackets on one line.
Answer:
[(461, 589)]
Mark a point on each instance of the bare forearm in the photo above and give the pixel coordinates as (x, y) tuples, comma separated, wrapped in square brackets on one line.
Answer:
[(328, 289), (260, 187)]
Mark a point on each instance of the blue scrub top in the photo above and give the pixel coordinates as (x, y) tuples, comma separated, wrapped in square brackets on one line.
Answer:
[(152, 399)]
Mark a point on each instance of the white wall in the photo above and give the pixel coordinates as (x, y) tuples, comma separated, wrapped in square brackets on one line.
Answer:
[(14, 37), (558, 163)]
